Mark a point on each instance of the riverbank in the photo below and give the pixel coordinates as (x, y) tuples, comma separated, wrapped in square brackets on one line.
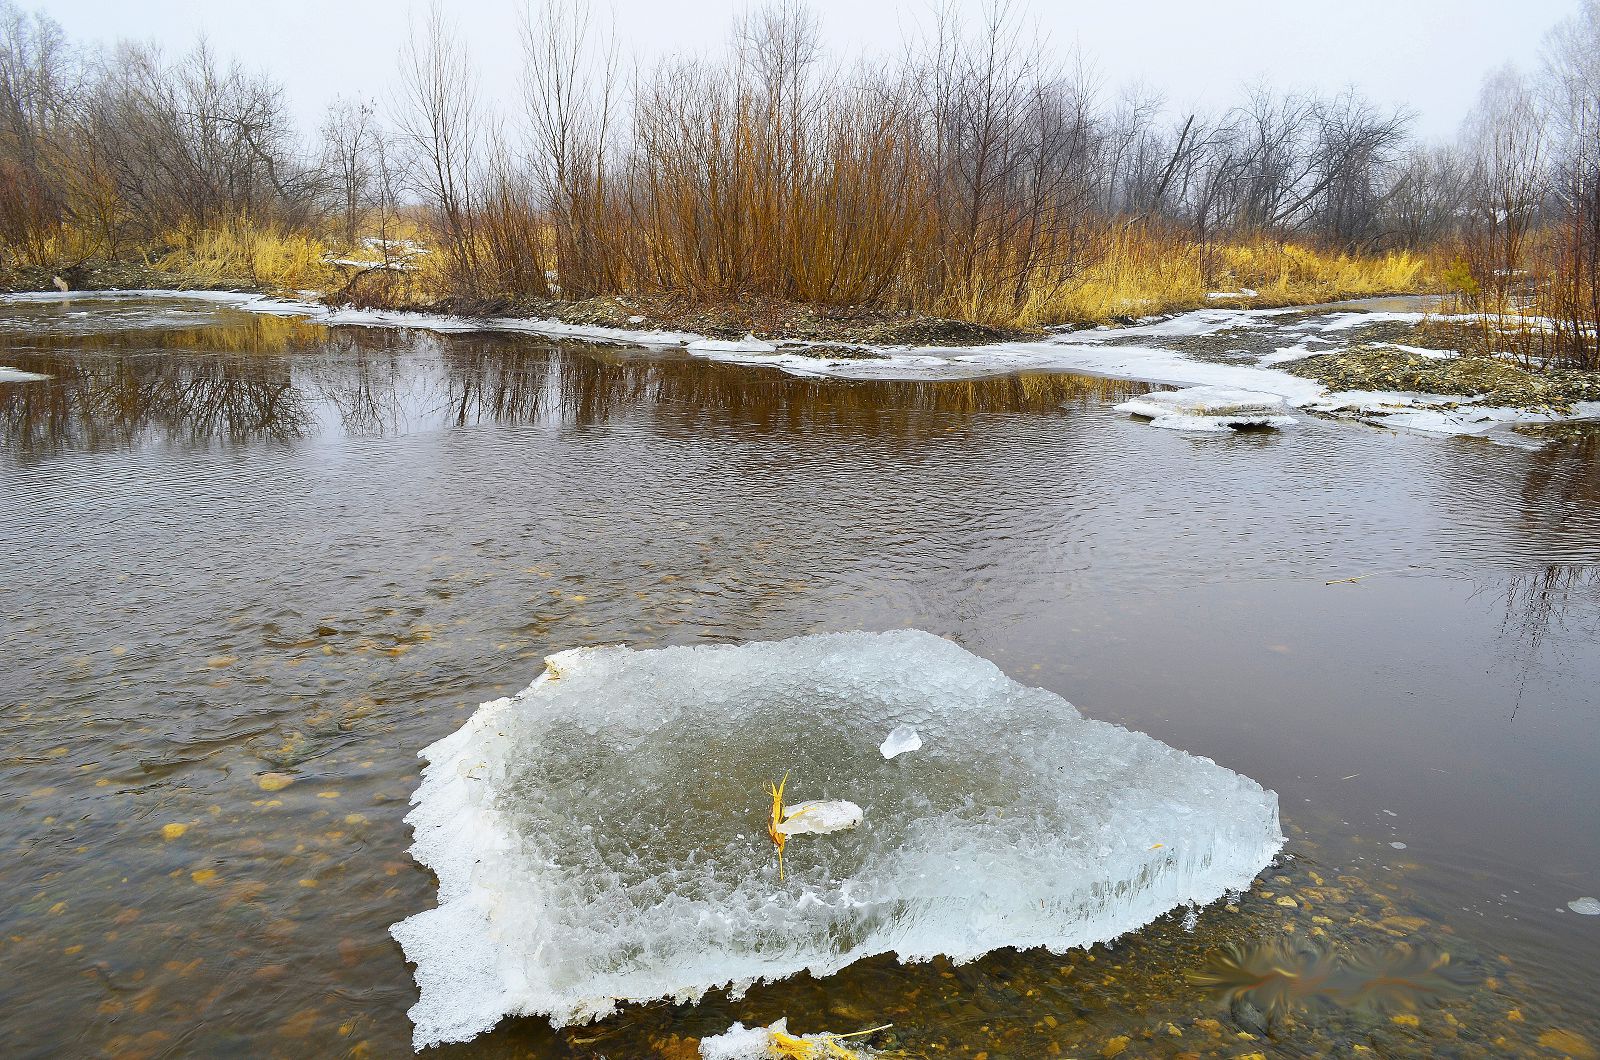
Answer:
[(1358, 360)]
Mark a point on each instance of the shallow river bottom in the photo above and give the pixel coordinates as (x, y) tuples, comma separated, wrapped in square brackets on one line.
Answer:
[(253, 565)]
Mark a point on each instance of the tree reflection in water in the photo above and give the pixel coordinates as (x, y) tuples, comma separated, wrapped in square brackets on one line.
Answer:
[(271, 379)]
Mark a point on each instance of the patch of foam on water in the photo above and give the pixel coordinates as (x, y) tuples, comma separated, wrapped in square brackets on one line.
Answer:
[(1585, 906), (602, 836)]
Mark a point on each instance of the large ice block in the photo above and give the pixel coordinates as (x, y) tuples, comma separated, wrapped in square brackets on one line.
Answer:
[(602, 836)]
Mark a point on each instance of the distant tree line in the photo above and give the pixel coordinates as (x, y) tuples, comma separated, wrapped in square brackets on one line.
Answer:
[(975, 174)]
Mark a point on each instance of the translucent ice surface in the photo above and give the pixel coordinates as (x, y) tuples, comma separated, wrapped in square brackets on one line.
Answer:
[(602, 836)]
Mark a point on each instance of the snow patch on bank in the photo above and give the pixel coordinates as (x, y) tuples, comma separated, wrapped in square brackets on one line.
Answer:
[(17, 375)]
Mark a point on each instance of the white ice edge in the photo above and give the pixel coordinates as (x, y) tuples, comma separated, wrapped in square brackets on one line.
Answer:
[(471, 970), (1084, 352), (17, 375)]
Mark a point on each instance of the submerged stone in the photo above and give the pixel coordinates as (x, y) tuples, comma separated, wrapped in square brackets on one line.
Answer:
[(602, 836)]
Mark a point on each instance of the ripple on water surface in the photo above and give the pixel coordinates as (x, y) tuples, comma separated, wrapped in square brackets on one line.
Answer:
[(261, 563)]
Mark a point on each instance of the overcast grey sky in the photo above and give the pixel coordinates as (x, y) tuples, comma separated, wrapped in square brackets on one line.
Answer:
[(1430, 55)]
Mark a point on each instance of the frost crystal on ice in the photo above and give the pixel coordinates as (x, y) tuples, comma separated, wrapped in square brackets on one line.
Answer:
[(601, 836), (901, 740)]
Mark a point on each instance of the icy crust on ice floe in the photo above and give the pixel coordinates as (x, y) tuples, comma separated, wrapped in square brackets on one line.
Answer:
[(1210, 408), (602, 835)]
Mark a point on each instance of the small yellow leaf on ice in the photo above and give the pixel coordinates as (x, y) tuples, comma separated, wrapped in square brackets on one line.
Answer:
[(274, 781), (1157, 846), (203, 875), (173, 831), (1406, 1019), (327, 794)]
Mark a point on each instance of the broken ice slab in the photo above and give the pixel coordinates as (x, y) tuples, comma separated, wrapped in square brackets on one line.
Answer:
[(820, 817), (1209, 408), (601, 837), (903, 739), (739, 1042), (748, 344)]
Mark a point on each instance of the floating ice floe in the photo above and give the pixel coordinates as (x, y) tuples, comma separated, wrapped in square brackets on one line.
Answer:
[(602, 836), (17, 375), (1210, 408), (901, 740), (748, 344), (1586, 906)]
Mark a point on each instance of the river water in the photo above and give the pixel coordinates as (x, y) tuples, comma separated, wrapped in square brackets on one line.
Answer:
[(252, 565)]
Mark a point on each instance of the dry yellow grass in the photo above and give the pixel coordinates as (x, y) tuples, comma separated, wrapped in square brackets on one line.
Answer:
[(1126, 270), (1137, 274), (241, 252)]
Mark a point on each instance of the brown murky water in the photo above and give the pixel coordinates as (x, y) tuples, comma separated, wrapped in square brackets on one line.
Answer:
[(252, 565)]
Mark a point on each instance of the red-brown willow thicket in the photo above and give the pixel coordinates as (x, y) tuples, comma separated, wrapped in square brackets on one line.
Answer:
[(971, 173), (974, 176)]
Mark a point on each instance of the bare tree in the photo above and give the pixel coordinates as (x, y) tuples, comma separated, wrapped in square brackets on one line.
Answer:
[(350, 139), (437, 114)]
